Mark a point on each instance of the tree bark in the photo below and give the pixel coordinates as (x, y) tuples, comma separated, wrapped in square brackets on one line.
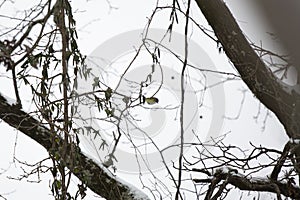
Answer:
[(259, 79), (248, 184), (253, 71), (96, 178)]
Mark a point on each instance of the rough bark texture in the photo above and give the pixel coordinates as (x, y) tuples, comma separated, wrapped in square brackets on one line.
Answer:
[(244, 183), (252, 69), (259, 79), (85, 169)]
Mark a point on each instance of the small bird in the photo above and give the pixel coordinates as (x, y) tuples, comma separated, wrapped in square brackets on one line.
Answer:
[(150, 100)]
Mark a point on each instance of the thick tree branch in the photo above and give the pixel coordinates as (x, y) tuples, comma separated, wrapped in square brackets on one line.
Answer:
[(96, 178), (262, 185), (253, 71)]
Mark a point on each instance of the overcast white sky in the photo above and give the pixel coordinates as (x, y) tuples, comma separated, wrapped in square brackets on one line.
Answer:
[(97, 24)]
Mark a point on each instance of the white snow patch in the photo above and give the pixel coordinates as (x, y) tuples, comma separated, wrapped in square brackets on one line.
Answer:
[(137, 193), (294, 141), (9, 100), (225, 169)]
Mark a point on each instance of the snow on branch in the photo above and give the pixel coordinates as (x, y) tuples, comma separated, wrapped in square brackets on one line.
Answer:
[(226, 176), (93, 174)]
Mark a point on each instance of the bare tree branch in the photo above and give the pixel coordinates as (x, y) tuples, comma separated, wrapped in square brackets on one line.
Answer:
[(263, 185), (96, 178), (253, 71)]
